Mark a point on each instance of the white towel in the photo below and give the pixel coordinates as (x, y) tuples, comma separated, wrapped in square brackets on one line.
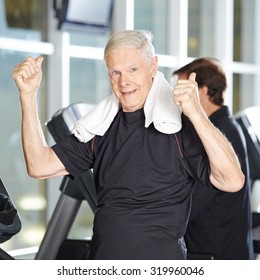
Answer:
[(159, 108)]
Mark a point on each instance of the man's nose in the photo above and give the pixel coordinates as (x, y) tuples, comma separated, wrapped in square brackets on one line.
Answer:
[(124, 79)]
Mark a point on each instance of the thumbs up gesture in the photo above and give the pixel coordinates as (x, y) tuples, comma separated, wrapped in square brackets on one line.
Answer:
[(28, 74), (185, 95)]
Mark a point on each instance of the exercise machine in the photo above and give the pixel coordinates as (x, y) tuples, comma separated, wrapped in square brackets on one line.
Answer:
[(55, 243), (10, 223), (249, 122)]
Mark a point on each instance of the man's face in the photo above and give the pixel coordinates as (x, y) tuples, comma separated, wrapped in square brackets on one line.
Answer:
[(131, 77)]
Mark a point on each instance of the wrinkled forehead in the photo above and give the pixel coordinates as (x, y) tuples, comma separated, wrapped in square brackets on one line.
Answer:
[(125, 56)]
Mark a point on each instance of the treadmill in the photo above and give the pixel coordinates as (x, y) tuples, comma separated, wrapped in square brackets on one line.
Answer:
[(249, 122), (10, 223), (55, 243)]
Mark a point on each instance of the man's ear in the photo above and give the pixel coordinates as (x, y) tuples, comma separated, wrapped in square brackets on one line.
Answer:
[(154, 65), (203, 91)]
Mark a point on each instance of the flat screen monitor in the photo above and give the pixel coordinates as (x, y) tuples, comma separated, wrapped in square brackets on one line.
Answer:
[(86, 15)]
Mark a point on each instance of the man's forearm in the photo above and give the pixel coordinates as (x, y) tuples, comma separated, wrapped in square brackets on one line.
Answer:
[(226, 173), (33, 141)]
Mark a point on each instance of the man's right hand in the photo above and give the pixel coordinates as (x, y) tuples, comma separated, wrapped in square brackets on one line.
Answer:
[(28, 75)]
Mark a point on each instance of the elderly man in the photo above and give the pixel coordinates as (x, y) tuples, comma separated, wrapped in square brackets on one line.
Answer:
[(144, 177)]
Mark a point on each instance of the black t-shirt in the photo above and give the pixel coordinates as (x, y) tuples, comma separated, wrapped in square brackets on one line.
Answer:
[(144, 181)]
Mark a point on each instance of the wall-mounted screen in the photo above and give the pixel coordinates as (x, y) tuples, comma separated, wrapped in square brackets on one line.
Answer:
[(85, 15)]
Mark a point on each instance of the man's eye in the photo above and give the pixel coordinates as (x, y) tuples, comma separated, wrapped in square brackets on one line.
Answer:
[(133, 70), (114, 73)]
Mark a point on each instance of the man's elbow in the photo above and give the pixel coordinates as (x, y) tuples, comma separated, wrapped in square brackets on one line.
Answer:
[(42, 166), (44, 171), (237, 183), (232, 184), (33, 173)]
